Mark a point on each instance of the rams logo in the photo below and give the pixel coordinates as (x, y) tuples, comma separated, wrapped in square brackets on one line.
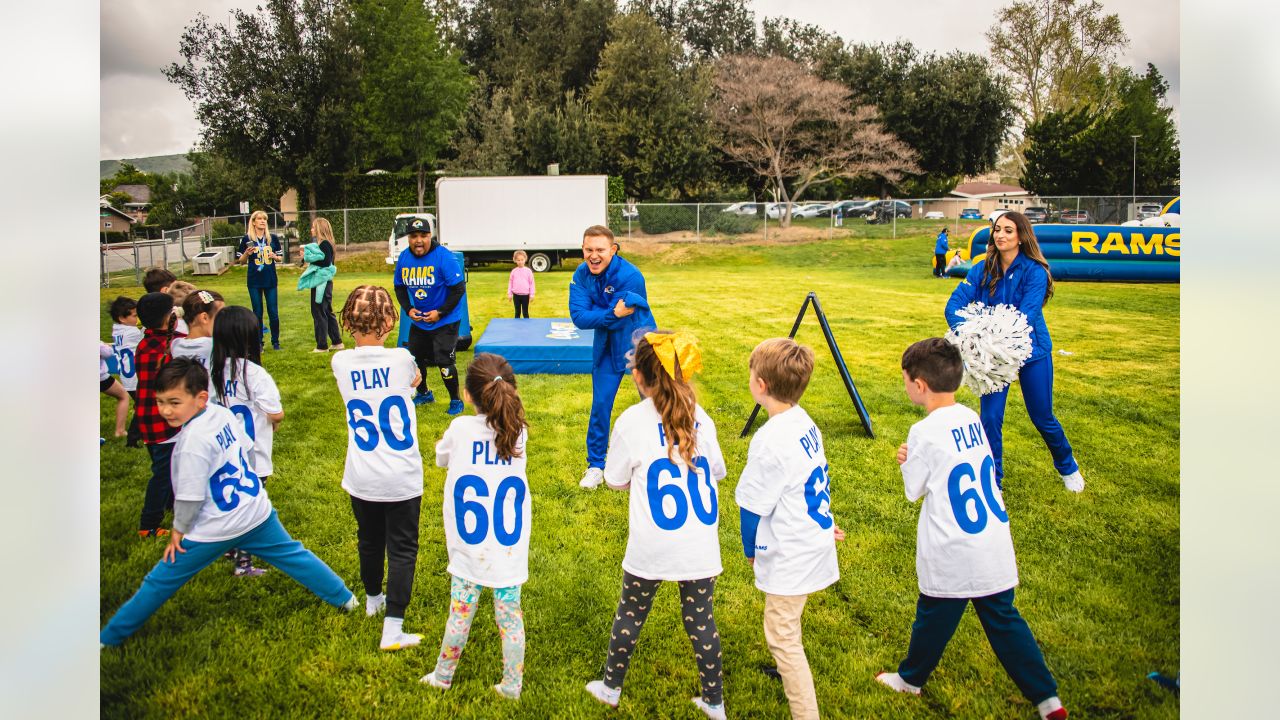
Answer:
[(419, 225), (419, 294), (608, 290)]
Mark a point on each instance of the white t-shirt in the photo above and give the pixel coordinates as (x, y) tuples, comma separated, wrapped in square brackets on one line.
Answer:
[(674, 510), (486, 505), (198, 349), (211, 464), (384, 460), (124, 341), (251, 397), (963, 546), (787, 482)]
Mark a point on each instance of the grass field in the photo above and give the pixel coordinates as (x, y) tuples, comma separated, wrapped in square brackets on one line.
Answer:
[(1099, 571)]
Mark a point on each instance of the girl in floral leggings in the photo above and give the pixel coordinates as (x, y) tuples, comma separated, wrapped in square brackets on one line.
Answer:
[(486, 519)]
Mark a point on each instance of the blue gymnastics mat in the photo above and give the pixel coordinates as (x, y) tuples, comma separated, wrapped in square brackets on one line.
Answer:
[(549, 346)]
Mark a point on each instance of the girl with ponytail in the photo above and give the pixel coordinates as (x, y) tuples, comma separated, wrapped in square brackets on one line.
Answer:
[(665, 450), (486, 518)]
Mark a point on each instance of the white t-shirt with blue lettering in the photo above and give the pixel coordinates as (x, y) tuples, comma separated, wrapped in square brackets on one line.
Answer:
[(963, 545), (487, 505), (251, 397), (787, 482), (124, 341), (384, 460), (674, 517), (198, 349), (211, 464)]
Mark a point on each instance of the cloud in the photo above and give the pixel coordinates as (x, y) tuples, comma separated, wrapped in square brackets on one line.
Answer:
[(143, 116)]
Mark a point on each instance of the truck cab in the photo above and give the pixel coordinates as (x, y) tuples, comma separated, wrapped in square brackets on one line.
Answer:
[(400, 231)]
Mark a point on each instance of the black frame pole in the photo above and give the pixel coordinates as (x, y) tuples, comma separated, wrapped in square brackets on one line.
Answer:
[(795, 328)]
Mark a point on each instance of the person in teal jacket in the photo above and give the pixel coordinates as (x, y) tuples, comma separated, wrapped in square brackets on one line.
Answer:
[(606, 295), (318, 277), (1014, 272)]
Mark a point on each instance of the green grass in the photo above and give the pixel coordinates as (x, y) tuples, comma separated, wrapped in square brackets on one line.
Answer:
[(1099, 571)]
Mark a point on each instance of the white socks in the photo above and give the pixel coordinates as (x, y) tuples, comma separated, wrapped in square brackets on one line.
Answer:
[(895, 681), (604, 693), (350, 604), (1052, 709), (715, 712), (374, 604), (431, 679), (1074, 482), (393, 638)]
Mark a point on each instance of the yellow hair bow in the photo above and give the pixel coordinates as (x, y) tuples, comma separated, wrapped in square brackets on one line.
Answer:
[(673, 347)]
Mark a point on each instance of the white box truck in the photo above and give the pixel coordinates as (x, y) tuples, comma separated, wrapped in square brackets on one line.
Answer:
[(489, 218)]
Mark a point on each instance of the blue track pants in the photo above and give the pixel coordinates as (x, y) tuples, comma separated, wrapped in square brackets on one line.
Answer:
[(1010, 638), (256, 297), (268, 541), (604, 388), (1036, 379)]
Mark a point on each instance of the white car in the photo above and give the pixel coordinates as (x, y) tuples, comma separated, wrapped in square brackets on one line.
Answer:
[(777, 210), (934, 215), (742, 208), (811, 210), (399, 233)]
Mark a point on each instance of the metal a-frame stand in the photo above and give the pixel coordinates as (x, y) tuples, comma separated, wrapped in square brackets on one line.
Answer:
[(812, 298)]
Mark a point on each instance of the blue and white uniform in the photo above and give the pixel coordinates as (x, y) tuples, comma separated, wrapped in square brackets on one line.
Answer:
[(1023, 286), (591, 302)]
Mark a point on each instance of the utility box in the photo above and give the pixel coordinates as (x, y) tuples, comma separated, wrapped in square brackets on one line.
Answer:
[(211, 262)]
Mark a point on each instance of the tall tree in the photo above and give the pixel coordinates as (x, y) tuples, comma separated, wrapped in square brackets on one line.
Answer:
[(415, 90), (950, 109), (1091, 151), (1053, 50), (271, 93), (804, 43), (794, 128), (486, 137), (651, 111), (708, 28)]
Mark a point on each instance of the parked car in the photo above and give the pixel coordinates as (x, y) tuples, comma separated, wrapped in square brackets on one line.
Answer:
[(777, 210), (742, 208), (1075, 217), (847, 208), (1148, 210), (811, 210), (971, 214), (887, 208), (934, 215), (1036, 214)]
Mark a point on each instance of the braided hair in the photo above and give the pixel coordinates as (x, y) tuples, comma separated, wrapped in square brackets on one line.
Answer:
[(369, 310)]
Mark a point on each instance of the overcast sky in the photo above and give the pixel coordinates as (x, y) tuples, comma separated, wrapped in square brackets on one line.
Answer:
[(143, 114)]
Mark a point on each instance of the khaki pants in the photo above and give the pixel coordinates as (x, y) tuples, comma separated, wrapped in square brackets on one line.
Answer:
[(782, 634)]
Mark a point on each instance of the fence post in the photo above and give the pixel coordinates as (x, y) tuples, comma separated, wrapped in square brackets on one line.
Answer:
[(697, 221), (102, 258), (137, 271), (346, 229)]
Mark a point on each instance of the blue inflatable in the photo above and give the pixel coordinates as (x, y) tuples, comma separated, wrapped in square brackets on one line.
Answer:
[(1112, 253)]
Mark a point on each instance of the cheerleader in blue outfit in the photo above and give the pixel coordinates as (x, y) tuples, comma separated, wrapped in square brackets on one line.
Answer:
[(1015, 273)]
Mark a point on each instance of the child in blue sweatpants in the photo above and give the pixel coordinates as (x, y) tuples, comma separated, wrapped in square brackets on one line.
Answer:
[(219, 504)]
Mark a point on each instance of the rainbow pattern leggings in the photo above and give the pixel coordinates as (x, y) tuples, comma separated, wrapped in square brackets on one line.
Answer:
[(463, 598)]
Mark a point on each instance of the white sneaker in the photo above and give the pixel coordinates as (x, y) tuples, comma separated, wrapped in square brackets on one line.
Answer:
[(1074, 482), (591, 478), (895, 681), (505, 694), (431, 679), (400, 642), (374, 604), (715, 712), (604, 693)]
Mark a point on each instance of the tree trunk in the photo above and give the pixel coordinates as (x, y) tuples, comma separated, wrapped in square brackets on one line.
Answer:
[(422, 185), (311, 200)]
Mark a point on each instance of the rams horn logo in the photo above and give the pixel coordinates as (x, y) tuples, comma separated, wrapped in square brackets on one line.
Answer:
[(420, 294)]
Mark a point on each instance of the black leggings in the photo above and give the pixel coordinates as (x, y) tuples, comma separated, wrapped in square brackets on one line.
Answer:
[(322, 319), (522, 304), (388, 530), (697, 598)]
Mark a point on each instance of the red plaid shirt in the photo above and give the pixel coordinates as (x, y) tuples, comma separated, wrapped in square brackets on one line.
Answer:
[(151, 355)]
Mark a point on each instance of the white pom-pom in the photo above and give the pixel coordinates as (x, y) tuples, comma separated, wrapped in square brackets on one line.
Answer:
[(995, 342)]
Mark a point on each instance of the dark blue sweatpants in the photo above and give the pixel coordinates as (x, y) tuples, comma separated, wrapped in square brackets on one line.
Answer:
[(1036, 378), (1010, 638)]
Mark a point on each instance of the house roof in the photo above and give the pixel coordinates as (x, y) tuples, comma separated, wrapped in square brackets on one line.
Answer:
[(139, 193), (104, 207), (986, 190)]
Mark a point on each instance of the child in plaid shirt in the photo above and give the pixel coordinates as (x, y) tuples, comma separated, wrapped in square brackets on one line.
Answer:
[(155, 311)]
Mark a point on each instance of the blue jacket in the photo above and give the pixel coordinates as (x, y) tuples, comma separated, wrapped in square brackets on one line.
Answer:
[(1023, 286), (940, 247), (591, 302)]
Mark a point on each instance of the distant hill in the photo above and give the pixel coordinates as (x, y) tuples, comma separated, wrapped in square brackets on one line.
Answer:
[(153, 164)]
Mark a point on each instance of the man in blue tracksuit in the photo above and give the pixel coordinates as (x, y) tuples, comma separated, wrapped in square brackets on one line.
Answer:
[(940, 255), (607, 295), (1022, 279)]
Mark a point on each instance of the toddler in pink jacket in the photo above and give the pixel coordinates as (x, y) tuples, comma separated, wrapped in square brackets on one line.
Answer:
[(520, 288)]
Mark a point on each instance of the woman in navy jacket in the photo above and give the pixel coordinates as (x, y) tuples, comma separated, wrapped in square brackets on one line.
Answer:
[(1015, 273)]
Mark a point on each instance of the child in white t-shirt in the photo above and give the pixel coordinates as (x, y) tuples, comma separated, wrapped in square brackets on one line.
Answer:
[(784, 500), (198, 309), (664, 450), (219, 503), (964, 552), (383, 473), (125, 336), (238, 382), (486, 518)]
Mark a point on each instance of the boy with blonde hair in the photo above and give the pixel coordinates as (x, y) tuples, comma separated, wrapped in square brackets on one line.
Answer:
[(788, 532), (964, 552)]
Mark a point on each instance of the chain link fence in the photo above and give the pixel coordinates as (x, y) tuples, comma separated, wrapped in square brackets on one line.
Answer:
[(667, 222)]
